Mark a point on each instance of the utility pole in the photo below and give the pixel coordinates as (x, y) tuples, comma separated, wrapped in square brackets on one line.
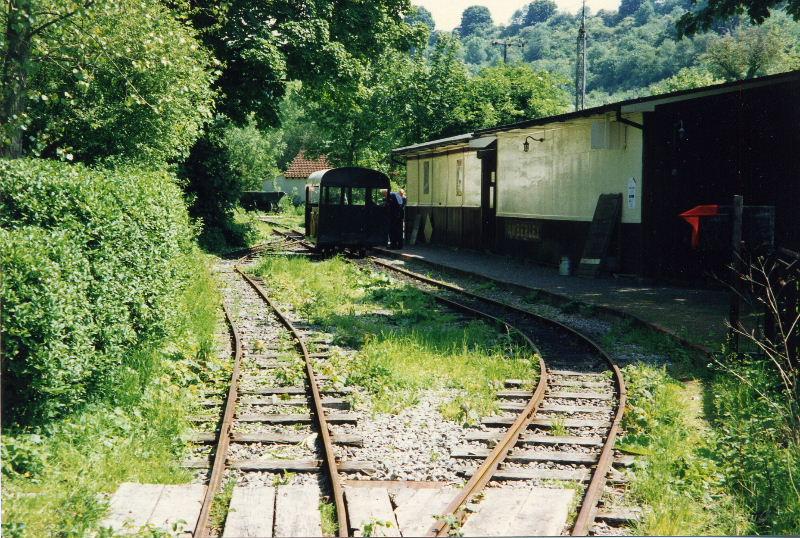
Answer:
[(580, 63), (505, 44)]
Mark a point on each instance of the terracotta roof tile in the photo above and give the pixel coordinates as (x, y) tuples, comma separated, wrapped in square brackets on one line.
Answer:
[(302, 167)]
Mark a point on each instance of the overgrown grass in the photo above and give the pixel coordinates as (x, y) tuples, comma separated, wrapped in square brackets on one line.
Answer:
[(717, 453), (52, 474), (405, 343)]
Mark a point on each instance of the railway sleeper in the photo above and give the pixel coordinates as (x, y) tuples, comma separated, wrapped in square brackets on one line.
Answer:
[(296, 418), (529, 456), (556, 408), (292, 390), (534, 439), (275, 438), (277, 466), (547, 423)]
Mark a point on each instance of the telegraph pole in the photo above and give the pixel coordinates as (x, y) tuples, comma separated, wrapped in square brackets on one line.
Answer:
[(505, 44), (580, 64)]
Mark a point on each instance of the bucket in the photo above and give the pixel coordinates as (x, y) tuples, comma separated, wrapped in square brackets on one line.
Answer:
[(563, 267)]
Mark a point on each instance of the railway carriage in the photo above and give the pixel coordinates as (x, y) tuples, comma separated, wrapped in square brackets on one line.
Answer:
[(346, 209)]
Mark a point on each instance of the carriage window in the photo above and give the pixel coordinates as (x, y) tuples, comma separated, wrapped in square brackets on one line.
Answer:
[(378, 196), (333, 195), (313, 194), (426, 177), (356, 196)]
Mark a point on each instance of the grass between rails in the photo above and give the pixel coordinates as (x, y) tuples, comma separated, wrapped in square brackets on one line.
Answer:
[(52, 474), (405, 343)]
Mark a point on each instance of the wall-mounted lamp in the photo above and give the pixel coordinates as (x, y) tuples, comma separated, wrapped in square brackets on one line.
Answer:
[(527, 145), (681, 132)]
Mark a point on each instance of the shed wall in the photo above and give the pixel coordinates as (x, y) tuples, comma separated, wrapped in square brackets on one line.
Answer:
[(562, 177)]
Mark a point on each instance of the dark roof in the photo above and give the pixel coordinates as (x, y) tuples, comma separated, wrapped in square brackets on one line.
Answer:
[(302, 167), (435, 143), (638, 104), (351, 176)]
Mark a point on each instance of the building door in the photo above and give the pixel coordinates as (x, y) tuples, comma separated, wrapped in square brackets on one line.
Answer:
[(488, 157)]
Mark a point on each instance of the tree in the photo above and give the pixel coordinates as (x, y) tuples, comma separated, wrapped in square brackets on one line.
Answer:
[(748, 52), (420, 15), (539, 11), (715, 10), (24, 22), (119, 79), (475, 19), (685, 79), (629, 7), (509, 93)]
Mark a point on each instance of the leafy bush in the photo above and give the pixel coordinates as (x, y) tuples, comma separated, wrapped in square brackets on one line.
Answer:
[(93, 262)]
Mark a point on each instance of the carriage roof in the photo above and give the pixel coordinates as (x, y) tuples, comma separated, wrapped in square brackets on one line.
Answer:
[(350, 176)]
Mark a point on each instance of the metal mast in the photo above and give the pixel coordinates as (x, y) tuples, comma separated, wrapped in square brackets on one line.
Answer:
[(580, 63)]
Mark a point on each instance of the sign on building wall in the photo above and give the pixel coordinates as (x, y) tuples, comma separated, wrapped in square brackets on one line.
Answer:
[(523, 231), (460, 177), (632, 193)]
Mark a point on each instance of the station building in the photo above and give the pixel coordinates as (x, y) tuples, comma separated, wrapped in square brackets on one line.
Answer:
[(531, 188)]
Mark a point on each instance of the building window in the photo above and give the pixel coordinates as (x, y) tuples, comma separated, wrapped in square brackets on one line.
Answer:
[(460, 177), (426, 177)]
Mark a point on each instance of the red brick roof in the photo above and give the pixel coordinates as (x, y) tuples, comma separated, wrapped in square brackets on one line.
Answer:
[(302, 167)]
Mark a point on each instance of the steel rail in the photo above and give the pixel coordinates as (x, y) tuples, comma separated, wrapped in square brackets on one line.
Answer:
[(595, 489), (319, 411), (485, 471), (223, 440), (597, 482)]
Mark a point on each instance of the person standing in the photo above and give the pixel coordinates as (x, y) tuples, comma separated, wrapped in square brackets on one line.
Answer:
[(396, 211)]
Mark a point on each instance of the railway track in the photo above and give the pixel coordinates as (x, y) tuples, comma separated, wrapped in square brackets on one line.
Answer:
[(253, 420), (564, 431)]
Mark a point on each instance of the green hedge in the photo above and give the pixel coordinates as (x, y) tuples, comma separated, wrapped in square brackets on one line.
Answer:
[(93, 264)]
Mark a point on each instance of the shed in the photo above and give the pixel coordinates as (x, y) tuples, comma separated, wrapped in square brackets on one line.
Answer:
[(664, 153)]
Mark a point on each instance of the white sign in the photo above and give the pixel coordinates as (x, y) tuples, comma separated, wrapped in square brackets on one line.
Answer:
[(632, 193)]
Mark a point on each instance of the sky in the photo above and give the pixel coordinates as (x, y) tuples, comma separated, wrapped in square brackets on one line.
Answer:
[(447, 13)]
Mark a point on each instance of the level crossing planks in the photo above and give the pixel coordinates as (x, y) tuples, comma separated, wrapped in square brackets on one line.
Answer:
[(520, 512), (161, 506)]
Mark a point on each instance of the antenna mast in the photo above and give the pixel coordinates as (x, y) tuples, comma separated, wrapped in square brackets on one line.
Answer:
[(580, 64)]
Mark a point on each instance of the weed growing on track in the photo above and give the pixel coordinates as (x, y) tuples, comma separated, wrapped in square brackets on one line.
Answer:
[(327, 511), (405, 343)]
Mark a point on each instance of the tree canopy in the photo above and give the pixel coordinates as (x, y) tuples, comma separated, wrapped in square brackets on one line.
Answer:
[(475, 19)]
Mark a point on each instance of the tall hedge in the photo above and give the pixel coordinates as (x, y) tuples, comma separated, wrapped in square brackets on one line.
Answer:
[(93, 262)]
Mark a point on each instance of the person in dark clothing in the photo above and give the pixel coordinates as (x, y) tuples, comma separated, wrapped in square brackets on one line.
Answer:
[(396, 204)]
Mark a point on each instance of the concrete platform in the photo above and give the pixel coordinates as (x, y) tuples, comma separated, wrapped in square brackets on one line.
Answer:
[(696, 316)]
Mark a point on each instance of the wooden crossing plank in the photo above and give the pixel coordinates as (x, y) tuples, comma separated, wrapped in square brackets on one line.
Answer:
[(178, 507), (416, 508), (297, 511), (520, 512), (619, 516), (251, 513), (370, 512), (132, 505), (136, 505)]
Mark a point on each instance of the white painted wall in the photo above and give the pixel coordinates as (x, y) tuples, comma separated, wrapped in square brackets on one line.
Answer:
[(562, 177), (443, 170)]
